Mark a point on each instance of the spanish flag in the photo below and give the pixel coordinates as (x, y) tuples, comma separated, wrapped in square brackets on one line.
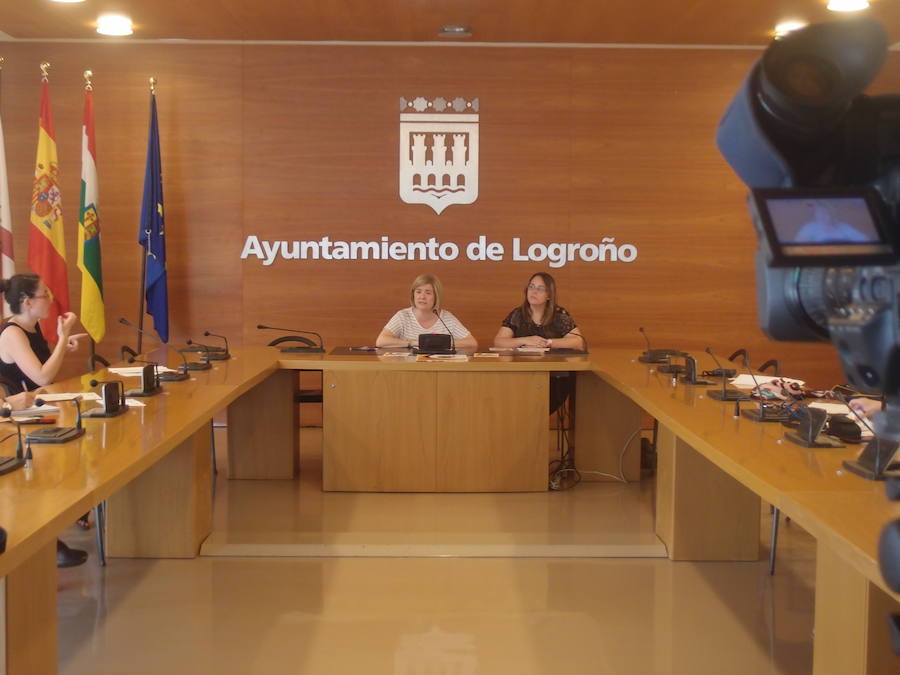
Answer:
[(46, 246), (92, 310)]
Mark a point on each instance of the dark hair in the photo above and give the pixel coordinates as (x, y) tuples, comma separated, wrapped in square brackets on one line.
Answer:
[(17, 288), (550, 309)]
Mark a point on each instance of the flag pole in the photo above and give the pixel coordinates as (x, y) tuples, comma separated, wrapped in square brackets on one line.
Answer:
[(89, 86), (144, 254)]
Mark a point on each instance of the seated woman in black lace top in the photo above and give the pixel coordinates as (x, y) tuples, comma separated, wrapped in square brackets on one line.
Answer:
[(539, 321)]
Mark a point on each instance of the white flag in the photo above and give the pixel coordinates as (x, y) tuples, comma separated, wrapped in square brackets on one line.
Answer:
[(6, 239)]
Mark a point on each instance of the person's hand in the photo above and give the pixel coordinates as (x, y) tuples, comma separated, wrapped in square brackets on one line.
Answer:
[(533, 341), (64, 324), (22, 400), (72, 344), (865, 407)]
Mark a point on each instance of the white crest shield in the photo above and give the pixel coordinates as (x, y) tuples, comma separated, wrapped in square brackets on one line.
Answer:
[(438, 151)]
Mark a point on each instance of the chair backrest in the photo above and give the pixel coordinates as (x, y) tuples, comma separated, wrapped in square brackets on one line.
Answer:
[(94, 359), (9, 387), (292, 338)]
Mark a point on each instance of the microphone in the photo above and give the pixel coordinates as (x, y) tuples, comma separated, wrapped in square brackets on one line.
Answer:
[(160, 377), (654, 355), (872, 463), (216, 353), (719, 371), (312, 348), (452, 341), (690, 375), (58, 434), (765, 413), (10, 464), (725, 394), (125, 349), (203, 363), (149, 379), (112, 393)]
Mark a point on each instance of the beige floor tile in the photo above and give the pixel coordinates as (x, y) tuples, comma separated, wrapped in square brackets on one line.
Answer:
[(436, 615)]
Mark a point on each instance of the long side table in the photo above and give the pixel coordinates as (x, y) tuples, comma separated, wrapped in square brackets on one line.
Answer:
[(152, 464), (714, 468)]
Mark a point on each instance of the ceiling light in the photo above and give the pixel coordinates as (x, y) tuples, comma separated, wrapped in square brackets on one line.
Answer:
[(61, 1), (452, 30), (847, 5), (114, 24), (786, 27)]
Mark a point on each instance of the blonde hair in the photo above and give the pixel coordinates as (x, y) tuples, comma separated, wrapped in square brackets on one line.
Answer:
[(420, 281)]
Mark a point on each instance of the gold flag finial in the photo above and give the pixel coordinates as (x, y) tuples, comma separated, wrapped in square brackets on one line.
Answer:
[(45, 68), (88, 85), (153, 85), (1, 62)]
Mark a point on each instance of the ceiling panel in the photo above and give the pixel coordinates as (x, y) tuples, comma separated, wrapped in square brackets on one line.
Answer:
[(718, 22)]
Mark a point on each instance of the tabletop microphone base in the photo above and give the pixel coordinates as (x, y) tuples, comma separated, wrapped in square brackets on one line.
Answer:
[(819, 442), (198, 365), (100, 412), (54, 434), (9, 464), (767, 415), (727, 395), (178, 376), (874, 462), (143, 393)]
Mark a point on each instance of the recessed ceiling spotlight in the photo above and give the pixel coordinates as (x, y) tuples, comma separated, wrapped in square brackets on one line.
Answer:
[(66, 1), (452, 30), (786, 27), (847, 5), (114, 24)]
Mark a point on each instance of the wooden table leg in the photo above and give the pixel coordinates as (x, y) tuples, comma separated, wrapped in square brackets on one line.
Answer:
[(604, 421), (31, 615), (166, 512), (262, 430), (702, 513), (851, 621)]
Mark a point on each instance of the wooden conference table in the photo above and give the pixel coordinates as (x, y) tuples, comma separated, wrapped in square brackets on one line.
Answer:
[(398, 424)]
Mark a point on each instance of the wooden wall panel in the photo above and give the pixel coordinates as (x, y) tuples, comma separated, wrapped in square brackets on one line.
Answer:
[(199, 106), (297, 142)]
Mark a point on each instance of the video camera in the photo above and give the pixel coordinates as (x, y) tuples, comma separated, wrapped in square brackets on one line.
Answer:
[(822, 161)]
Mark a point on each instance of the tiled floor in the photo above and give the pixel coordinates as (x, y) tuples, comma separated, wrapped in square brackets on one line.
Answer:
[(462, 594)]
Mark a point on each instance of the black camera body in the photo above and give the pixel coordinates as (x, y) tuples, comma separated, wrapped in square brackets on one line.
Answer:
[(823, 163)]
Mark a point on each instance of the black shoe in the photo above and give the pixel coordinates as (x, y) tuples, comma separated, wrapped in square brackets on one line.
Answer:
[(69, 557)]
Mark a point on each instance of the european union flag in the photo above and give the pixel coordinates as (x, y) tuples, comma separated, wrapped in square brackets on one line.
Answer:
[(152, 235)]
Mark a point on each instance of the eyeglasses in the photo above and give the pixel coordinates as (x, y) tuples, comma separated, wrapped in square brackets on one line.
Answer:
[(534, 287)]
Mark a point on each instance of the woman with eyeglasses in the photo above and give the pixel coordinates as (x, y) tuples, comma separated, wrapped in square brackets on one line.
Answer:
[(424, 315), (27, 361), (539, 321)]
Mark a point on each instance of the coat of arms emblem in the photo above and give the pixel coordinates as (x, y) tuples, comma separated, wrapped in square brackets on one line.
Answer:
[(438, 151)]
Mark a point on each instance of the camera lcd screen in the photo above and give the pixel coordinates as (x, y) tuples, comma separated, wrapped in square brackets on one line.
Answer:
[(824, 227)]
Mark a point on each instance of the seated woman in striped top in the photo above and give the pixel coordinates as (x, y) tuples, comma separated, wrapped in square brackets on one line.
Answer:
[(424, 315)]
